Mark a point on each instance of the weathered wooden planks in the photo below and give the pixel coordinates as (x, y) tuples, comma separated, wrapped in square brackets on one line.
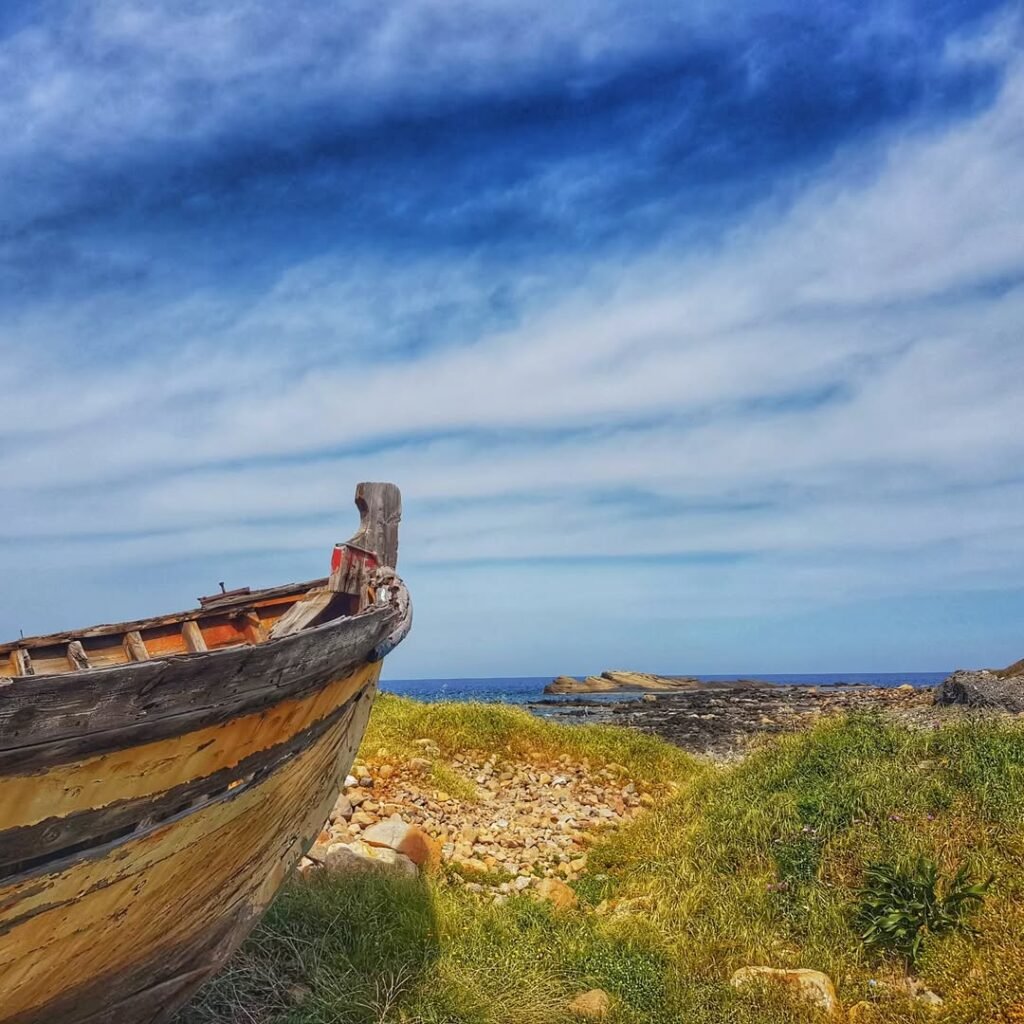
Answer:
[(193, 636), (303, 613), (77, 658), (104, 794), (234, 617), (391, 588), (135, 647), (21, 663), (254, 628)]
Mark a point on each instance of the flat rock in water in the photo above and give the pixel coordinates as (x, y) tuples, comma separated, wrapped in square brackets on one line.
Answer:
[(619, 680), (562, 684), (647, 681), (1001, 688)]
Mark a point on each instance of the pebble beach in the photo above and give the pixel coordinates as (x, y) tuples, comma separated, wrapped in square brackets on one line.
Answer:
[(515, 824)]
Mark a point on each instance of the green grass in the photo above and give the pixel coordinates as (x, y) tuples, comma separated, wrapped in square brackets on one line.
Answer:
[(398, 722), (759, 863)]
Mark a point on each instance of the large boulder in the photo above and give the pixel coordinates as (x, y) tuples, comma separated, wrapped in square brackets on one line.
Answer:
[(356, 857), (809, 986), (995, 688), (594, 1004), (413, 842)]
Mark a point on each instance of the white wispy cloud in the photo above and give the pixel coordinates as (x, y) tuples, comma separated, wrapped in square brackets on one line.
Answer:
[(820, 405), (113, 73)]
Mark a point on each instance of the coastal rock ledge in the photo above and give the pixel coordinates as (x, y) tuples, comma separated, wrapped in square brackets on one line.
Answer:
[(619, 681), (988, 688)]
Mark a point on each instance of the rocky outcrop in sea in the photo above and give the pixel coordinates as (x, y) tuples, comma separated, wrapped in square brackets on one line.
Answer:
[(621, 681)]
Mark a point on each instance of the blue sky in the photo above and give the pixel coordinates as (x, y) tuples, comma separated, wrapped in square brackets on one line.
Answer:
[(693, 336)]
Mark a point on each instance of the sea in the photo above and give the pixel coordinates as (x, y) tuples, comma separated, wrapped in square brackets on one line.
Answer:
[(529, 689)]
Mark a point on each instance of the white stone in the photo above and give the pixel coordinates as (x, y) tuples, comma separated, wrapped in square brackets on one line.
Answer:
[(359, 856)]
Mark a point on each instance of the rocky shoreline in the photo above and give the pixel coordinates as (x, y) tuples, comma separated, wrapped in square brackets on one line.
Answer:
[(519, 821), (722, 720), (500, 825)]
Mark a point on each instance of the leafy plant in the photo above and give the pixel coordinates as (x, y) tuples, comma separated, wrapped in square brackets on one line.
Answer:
[(900, 907)]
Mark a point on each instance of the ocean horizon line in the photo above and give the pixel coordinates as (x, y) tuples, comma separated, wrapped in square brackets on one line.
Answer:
[(694, 675)]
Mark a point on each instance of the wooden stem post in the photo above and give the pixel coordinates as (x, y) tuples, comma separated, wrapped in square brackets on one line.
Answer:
[(374, 544), (380, 511)]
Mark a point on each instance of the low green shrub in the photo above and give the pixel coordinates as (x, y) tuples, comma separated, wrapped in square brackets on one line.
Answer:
[(900, 906)]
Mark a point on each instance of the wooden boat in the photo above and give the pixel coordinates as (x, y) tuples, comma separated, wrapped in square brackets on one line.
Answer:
[(159, 779)]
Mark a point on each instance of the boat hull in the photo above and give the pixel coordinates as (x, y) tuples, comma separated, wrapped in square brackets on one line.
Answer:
[(129, 927)]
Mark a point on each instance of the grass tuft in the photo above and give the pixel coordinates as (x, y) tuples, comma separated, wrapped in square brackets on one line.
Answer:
[(452, 783)]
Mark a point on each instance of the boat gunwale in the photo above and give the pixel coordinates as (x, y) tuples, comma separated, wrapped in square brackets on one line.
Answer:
[(6, 682), (393, 622)]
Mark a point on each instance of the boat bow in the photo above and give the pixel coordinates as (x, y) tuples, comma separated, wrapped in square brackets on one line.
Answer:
[(160, 779)]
